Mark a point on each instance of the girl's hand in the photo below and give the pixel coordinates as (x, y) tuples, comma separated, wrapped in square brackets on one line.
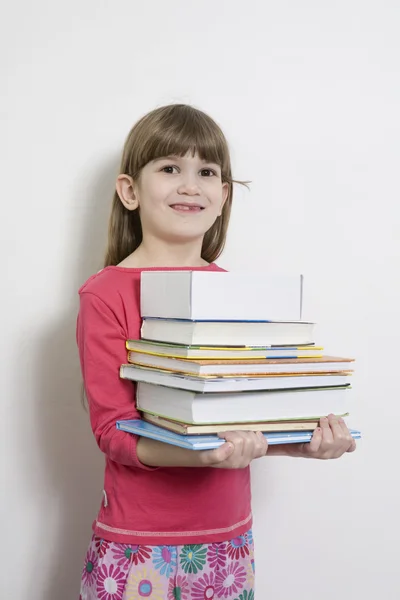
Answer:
[(330, 440), (240, 449)]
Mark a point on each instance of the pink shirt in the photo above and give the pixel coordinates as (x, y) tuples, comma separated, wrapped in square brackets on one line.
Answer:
[(145, 505)]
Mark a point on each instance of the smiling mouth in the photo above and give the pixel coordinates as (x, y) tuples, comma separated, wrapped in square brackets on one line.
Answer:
[(192, 208)]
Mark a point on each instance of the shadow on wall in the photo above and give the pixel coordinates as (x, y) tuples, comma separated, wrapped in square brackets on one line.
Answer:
[(72, 462)]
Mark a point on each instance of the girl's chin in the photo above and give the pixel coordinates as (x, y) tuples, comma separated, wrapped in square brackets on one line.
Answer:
[(186, 234), (183, 224)]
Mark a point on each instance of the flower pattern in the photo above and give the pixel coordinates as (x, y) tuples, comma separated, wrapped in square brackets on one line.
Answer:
[(216, 571), (89, 569), (250, 574), (178, 588), (204, 587), (101, 546), (140, 554), (110, 582), (230, 580), (238, 547), (144, 583), (246, 595), (193, 558), (164, 559), (216, 555), (250, 539), (126, 554)]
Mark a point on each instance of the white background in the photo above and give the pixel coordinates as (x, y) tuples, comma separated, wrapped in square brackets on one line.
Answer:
[(308, 94)]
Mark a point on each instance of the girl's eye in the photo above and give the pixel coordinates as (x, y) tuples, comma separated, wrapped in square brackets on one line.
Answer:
[(207, 172), (168, 169)]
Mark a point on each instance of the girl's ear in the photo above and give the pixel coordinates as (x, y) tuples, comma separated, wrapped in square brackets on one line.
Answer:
[(126, 190), (225, 194)]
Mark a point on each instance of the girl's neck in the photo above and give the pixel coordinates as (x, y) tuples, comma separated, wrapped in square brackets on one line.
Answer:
[(161, 254)]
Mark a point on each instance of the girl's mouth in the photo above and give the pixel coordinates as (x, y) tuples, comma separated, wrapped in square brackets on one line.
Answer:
[(187, 207)]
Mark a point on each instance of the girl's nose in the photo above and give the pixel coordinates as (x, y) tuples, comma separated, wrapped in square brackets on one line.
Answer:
[(189, 186)]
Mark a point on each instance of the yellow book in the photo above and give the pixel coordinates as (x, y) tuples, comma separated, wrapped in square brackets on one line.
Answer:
[(222, 353)]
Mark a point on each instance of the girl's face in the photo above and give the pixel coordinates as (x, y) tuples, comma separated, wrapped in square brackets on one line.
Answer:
[(179, 198)]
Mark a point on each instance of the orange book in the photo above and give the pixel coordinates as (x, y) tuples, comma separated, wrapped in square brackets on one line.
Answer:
[(243, 367)]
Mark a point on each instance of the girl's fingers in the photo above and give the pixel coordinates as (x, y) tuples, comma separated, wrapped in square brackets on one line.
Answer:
[(262, 443), (343, 425), (339, 434), (240, 445), (327, 434), (341, 438), (315, 442), (352, 446), (343, 433), (213, 457), (236, 438), (347, 433), (248, 445)]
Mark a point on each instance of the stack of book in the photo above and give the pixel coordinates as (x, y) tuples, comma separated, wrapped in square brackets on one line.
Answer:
[(224, 351)]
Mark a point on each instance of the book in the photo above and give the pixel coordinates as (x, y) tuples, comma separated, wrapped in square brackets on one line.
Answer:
[(185, 429), (241, 407), (209, 384), (218, 353), (227, 333), (242, 367), (207, 295), (209, 442)]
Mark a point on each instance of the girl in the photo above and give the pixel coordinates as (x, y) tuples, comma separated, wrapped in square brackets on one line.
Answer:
[(173, 524)]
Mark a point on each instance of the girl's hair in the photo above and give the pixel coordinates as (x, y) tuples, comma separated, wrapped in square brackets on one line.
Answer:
[(175, 129)]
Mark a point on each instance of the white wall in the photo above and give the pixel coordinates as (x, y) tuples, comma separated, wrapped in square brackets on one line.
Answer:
[(308, 94)]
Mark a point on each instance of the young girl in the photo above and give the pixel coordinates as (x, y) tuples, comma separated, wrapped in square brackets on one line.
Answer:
[(173, 524)]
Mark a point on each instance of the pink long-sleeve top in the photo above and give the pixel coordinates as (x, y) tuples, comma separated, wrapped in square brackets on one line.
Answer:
[(145, 505)]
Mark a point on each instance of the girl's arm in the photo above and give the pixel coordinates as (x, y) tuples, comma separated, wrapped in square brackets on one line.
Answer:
[(157, 454), (240, 449), (101, 341)]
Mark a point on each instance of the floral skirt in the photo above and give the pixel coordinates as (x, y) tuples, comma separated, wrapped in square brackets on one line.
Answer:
[(190, 572)]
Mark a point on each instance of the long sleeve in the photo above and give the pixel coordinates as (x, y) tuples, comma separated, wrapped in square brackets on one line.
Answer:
[(101, 341)]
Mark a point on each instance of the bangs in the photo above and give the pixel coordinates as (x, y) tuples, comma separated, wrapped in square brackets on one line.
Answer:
[(184, 130)]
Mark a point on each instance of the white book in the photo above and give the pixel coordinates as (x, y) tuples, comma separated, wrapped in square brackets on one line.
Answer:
[(208, 295), (242, 407), (227, 333), (230, 384)]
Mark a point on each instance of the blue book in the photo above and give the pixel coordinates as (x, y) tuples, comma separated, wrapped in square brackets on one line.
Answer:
[(209, 442)]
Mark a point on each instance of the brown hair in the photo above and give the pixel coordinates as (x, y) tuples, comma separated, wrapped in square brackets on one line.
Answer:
[(175, 129)]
